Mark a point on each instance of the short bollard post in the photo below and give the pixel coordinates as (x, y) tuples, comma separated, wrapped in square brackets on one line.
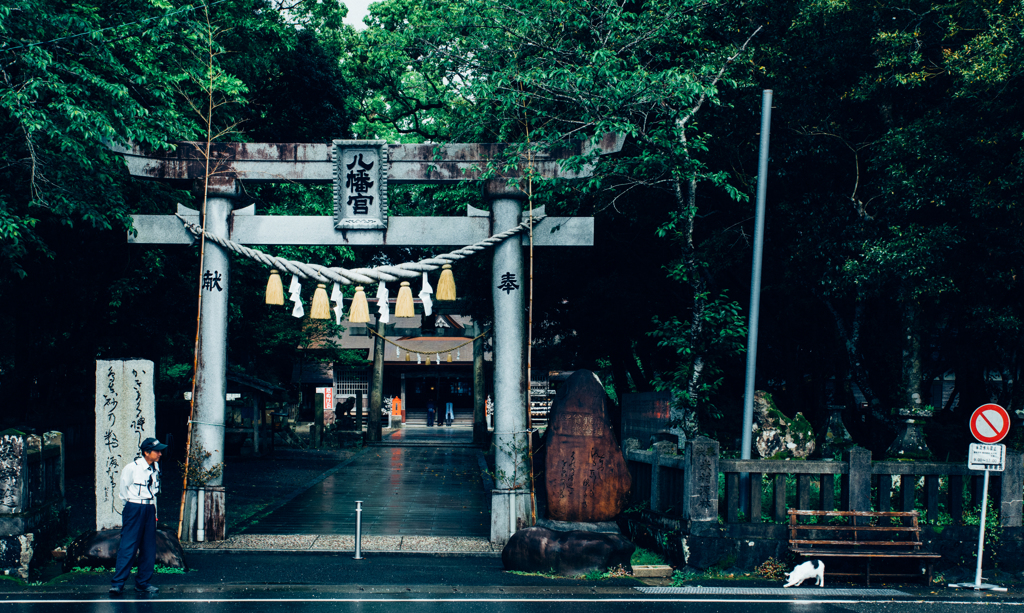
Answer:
[(359, 536)]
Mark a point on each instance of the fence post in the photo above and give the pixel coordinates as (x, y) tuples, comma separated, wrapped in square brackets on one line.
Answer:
[(859, 479), (1010, 498), (700, 483)]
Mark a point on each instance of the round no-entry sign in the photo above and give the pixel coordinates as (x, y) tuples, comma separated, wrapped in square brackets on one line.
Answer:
[(990, 423)]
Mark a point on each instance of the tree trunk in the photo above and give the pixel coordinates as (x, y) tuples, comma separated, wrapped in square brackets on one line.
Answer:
[(851, 342), (689, 422), (373, 421), (911, 363)]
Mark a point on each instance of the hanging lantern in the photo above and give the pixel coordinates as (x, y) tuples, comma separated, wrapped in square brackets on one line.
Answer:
[(446, 286), (359, 311), (404, 307), (321, 307), (275, 289)]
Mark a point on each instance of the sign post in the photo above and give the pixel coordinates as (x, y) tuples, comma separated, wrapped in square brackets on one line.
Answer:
[(989, 424)]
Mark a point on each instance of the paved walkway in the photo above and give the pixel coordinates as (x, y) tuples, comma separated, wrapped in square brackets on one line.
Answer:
[(427, 485)]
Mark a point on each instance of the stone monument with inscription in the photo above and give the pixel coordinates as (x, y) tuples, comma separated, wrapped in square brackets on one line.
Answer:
[(125, 416), (587, 483), (587, 478)]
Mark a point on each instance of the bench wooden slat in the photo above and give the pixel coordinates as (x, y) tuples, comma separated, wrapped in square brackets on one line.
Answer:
[(824, 553), (854, 513), (858, 543), (860, 528)]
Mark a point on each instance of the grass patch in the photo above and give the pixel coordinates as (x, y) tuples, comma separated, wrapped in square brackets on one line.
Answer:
[(159, 569), (645, 557), (548, 575), (594, 575)]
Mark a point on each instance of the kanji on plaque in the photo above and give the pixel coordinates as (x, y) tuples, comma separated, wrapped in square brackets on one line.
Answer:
[(360, 184)]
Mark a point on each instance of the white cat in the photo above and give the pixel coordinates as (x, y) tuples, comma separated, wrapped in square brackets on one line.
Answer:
[(808, 570)]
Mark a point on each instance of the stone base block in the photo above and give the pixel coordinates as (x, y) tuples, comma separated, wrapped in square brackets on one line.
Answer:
[(16, 554), (568, 554), (652, 570), (607, 527), (93, 549)]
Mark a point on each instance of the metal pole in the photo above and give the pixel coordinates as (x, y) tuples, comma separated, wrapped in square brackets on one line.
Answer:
[(978, 585), (755, 291), (359, 529), (981, 532), (200, 514)]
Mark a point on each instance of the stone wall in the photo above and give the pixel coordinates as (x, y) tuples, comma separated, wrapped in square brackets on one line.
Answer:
[(31, 497)]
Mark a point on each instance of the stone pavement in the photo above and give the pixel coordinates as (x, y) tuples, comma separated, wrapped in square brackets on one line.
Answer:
[(423, 490)]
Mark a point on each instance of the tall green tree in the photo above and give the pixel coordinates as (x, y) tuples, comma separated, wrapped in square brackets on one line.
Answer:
[(542, 73), (898, 159)]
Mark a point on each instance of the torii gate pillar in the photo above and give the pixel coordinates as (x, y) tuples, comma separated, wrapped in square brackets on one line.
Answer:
[(510, 502), (211, 374)]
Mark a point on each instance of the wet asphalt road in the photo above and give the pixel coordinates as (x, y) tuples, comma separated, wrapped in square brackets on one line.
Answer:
[(396, 583), (597, 604)]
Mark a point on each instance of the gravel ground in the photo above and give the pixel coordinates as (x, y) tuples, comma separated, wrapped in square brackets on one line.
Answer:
[(331, 542)]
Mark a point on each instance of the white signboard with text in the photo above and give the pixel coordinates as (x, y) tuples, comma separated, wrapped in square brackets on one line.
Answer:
[(986, 457)]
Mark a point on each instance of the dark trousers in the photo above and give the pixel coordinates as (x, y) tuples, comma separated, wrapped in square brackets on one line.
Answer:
[(138, 532)]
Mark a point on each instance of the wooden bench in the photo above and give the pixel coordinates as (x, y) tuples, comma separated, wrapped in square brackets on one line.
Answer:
[(861, 534)]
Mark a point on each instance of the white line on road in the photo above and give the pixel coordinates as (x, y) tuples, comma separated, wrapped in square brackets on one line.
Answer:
[(803, 601)]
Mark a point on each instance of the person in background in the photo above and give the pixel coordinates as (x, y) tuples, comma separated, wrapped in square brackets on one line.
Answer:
[(140, 483), (430, 413)]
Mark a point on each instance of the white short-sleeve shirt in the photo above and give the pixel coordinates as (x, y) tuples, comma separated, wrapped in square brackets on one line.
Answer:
[(140, 481)]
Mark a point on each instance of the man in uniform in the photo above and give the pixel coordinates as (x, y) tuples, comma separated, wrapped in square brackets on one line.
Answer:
[(140, 482)]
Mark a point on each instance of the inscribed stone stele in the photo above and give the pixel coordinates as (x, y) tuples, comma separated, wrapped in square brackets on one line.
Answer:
[(125, 416), (586, 475)]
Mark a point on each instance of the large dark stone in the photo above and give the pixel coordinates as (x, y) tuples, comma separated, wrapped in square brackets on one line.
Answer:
[(587, 478), (94, 548), (570, 554)]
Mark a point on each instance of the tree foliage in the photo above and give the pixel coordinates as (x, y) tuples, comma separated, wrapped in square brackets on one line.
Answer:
[(893, 244)]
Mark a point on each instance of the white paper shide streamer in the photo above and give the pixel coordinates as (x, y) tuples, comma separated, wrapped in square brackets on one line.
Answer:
[(295, 295), (382, 303), (338, 299), (425, 294)]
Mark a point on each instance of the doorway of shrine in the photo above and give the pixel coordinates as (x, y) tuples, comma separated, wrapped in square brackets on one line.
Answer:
[(441, 385)]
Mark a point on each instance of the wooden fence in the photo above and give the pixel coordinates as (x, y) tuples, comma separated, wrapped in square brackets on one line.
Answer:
[(698, 485)]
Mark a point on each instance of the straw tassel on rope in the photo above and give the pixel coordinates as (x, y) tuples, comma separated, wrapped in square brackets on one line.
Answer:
[(359, 310), (446, 285), (404, 306), (321, 308), (275, 289)]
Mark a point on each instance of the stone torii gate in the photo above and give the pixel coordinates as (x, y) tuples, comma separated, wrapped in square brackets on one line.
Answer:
[(361, 219)]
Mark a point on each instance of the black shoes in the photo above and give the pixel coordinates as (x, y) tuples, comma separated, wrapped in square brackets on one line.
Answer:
[(116, 591)]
